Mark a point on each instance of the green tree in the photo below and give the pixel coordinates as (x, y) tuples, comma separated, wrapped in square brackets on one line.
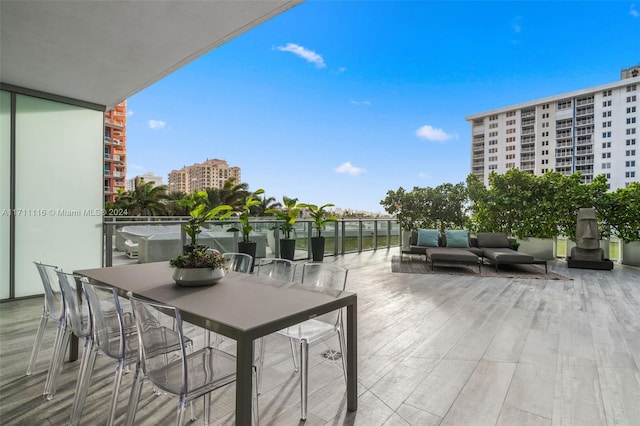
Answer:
[(404, 206), (145, 200), (623, 212), (266, 204), (234, 195)]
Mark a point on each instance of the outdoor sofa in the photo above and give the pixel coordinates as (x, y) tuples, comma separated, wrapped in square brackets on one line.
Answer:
[(457, 247), (450, 247)]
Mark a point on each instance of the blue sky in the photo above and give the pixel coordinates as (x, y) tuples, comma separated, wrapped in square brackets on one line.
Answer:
[(341, 101)]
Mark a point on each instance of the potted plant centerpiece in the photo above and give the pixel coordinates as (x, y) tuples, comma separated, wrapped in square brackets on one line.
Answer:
[(246, 245), (320, 218), (196, 266), (288, 215)]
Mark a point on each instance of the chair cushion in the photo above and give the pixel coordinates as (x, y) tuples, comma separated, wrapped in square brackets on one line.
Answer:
[(457, 238), (451, 255), (493, 239), (428, 237), (506, 255)]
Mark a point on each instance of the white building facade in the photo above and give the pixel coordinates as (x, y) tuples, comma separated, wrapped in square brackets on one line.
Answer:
[(594, 131)]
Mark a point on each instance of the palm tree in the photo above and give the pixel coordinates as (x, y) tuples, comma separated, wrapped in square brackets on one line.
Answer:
[(173, 208), (234, 195), (145, 200), (266, 203)]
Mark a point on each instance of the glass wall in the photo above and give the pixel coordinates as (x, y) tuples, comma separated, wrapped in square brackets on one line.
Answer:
[(58, 189), (5, 190)]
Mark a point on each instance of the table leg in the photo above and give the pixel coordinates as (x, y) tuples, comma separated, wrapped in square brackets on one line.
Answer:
[(352, 357), (244, 375)]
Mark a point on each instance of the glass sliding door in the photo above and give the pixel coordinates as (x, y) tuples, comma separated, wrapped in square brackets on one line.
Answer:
[(59, 189), (5, 191)]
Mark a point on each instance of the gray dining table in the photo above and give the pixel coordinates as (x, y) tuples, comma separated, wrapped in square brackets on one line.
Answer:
[(243, 307)]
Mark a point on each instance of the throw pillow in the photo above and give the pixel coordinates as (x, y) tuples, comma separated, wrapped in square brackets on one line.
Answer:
[(457, 238), (493, 240), (428, 237)]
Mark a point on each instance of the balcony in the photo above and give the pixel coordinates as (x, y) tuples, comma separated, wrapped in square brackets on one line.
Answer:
[(527, 167), (584, 111), (497, 314), (584, 140), (564, 153), (584, 101), (585, 121), (584, 131)]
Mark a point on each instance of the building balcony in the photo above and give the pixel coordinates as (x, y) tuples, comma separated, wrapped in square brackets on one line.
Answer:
[(584, 111), (584, 131), (586, 101)]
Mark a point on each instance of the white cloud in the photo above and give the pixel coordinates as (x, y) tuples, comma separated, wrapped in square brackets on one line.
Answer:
[(129, 112), (423, 175), (360, 102), (633, 11), (342, 69), (515, 25), (434, 134), (306, 54), (156, 124), (349, 169)]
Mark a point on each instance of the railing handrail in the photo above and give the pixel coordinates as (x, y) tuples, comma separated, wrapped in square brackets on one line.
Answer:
[(111, 223)]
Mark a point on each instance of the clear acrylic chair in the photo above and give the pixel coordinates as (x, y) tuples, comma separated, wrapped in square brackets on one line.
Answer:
[(277, 268), (280, 269), (319, 328), (77, 322), (171, 369), (238, 262), (113, 335), (53, 309)]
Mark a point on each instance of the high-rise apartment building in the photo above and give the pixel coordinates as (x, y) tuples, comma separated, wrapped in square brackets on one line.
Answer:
[(594, 131), (131, 184), (210, 174), (115, 150)]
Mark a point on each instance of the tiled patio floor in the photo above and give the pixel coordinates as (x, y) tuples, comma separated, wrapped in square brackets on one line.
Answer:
[(433, 349)]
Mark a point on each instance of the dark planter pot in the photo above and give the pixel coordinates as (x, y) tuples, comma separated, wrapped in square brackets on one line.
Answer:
[(248, 247), (287, 248), (317, 249)]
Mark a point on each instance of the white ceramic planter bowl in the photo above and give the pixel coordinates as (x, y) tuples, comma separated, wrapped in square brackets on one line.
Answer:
[(197, 276)]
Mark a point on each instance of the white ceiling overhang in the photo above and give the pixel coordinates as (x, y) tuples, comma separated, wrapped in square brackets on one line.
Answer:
[(102, 52)]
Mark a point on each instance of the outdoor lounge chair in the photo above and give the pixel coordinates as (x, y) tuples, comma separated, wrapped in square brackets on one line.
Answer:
[(496, 248)]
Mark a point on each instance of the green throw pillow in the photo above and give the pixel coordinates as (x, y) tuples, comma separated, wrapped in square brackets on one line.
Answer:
[(428, 237), (457, 238)]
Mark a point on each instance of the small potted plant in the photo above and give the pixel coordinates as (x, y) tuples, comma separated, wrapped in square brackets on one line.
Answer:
[(320, 218), (199, 214), (198, 267), (246, 245), (288, 215)]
